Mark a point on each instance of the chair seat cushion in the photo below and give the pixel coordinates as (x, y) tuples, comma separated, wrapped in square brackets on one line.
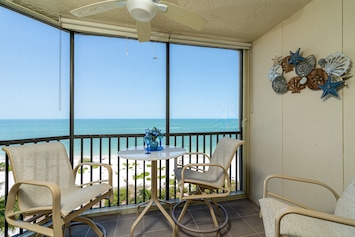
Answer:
[(294, 225), (346, 204), (192, 176), (78, 196)]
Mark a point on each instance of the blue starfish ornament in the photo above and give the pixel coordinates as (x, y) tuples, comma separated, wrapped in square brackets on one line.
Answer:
[(295, 58), (330, 88)]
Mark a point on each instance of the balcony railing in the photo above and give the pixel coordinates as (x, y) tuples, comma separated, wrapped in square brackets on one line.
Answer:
[(131, 179)]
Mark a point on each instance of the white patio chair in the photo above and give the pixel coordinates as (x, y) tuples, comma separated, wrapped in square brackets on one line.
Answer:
[(211, 180), (45, 190), (286, 217)]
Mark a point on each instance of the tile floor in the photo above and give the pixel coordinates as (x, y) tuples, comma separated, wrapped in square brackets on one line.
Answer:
[(243, 214)]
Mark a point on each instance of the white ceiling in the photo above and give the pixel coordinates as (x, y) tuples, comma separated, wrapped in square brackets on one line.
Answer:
[(232, 20)]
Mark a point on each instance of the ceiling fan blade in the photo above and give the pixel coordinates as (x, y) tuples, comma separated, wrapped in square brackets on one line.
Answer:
[(143, 31), (161, 7), (98, 7), (183, 16)]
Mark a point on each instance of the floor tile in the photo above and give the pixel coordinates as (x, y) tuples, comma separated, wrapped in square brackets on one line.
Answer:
[(243, 221)]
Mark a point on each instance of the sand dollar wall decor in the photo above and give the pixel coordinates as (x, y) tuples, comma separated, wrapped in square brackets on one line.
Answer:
[(330, 76)]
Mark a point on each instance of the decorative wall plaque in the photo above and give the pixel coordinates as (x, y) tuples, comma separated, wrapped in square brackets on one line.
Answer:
[(330, 77)]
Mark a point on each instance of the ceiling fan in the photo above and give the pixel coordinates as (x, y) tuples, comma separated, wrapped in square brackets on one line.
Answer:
[(143, 12)]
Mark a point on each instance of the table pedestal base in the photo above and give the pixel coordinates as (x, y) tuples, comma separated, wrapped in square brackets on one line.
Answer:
[(155, 200)]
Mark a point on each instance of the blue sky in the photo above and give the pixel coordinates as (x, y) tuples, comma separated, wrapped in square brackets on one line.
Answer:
[(114, 78)]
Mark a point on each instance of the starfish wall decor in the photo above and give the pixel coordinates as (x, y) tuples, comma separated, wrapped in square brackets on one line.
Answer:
[(330, 87), (329, 78)]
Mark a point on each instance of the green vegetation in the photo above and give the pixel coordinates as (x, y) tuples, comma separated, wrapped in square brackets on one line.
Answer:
[(141, 176), (88, 160), (2, 215), (143, 195), (2, 166), (84, 168), (119, 195)]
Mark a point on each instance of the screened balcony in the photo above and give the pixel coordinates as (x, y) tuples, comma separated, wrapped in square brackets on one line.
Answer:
[(65, 77), (132, 178)]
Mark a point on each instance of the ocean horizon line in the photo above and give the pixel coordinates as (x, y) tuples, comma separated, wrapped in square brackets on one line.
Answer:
[(36, 128)]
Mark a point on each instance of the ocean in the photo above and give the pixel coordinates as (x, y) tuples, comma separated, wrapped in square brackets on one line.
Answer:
[(12, 129)]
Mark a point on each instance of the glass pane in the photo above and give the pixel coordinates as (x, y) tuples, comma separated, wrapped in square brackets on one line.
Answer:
[(119, 85), (205, 97), (205, 89), (34, 78), (120, 88)]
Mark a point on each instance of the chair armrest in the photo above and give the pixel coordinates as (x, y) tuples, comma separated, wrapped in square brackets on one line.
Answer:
[(295, 179), (10, 213), (310, 213), (107, 166)]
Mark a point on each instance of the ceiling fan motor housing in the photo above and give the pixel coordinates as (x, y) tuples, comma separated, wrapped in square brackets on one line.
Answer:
[(141, 10)]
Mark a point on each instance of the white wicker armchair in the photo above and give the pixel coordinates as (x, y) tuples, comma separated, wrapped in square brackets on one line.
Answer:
[(286, 217)]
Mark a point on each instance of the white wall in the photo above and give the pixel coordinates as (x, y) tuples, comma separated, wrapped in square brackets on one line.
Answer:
[(301, 134)]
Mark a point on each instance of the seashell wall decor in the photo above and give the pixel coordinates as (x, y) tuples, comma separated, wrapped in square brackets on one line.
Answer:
[(331, 76)]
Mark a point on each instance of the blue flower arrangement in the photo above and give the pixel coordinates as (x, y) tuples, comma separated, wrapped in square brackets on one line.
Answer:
[(150, 138), (153, 134)]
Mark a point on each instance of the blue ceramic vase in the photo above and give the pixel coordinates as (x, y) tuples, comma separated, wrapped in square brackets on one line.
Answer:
[(153, 145)]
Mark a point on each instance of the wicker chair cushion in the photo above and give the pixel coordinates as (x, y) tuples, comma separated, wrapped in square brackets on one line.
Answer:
[(296, 225)]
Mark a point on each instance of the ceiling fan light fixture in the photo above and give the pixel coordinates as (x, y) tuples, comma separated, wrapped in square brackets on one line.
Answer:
[(141, 10)]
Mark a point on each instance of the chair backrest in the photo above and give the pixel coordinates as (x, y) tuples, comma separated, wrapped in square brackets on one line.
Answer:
[(40, 162), (223, 155), (346, 203)]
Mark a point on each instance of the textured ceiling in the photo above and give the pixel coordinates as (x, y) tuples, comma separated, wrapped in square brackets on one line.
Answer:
[(235, 20)]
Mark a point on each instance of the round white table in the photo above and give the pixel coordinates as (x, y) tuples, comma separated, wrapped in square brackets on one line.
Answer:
[(139, 153)]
